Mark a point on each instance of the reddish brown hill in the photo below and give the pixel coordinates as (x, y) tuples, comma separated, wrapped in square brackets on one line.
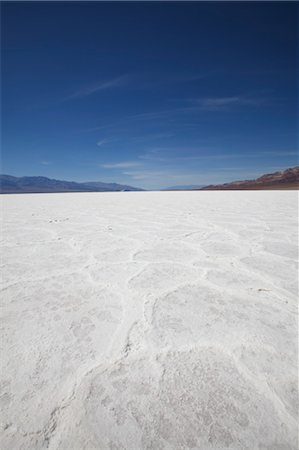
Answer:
[(287, 179)]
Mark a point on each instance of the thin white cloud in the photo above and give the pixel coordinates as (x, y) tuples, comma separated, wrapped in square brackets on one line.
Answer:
[(218, 103), (162, 113), (152, 79), (121, 165), (152, 136), (201, 105), (147, 174), (198, 107), (103, 142), (100, 86), (194, 106), (45, 163), (280, 153), (167, 154)]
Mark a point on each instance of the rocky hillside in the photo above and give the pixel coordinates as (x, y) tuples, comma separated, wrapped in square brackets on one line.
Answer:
[(287, 179)]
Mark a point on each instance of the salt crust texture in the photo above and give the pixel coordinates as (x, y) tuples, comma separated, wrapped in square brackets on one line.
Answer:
[(149, 320)]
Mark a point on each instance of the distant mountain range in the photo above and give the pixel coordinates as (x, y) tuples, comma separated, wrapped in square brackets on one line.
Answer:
[(14, 185), (287, 179), (184, 187)]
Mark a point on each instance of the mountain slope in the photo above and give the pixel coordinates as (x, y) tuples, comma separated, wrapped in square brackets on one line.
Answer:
[(287, 179), (10, 184)]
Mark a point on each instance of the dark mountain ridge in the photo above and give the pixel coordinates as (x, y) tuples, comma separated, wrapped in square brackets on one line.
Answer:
[(13, 185), (286, 179)]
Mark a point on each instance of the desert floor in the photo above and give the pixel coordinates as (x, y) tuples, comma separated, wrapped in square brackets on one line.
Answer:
[(149, 320)]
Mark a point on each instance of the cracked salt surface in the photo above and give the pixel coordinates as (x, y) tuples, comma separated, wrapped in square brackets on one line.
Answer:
[(149, 320)]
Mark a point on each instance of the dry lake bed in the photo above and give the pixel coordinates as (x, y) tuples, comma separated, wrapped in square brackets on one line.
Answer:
[(149, 320)]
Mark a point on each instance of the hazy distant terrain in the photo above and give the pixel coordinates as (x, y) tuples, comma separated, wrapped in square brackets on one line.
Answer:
[(184, 187), (149, 320), (10, 184)]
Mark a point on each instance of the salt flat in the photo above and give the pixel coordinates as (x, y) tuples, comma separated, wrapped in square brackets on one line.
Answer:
[(149, 320)]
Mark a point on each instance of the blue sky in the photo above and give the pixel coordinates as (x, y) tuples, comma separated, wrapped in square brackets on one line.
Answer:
[(149, 94)]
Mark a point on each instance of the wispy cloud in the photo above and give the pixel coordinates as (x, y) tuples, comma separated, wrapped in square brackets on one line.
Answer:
[(137, 82), (45, 163), (103, 142), (219, 103), (156, 79), (197, 106), (147, 174), (279, 153), (174, 155), (97, 87), (189, 107), (152, 136), (164, 113), (121, 165)]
